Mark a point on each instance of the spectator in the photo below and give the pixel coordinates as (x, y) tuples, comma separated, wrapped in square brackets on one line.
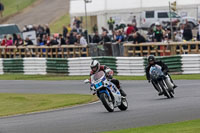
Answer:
[(20, 41), (104, 29), (95, 28), (74, 29), (65, 31), (1, 9), (69, 28), (82, 40), (138, 38), (77, 23), (15, 39), (119, 37), (47, 30), (134, 21), (96, 38), (61, 40), (111, 23), (28, 41), (9, 42), (158, 33), (43, 41), (187, 33), (129, 30), (53, 41), (72, 38), (105, 38), (4, 41), (135, 27)]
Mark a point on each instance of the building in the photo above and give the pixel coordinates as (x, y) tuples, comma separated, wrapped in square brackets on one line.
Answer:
[(123, 11)]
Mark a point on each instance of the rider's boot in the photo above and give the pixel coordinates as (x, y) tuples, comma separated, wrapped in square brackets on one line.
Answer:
[(122, 91), (174, 85)]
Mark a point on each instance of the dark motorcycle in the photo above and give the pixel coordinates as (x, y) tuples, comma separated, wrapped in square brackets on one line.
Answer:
[(161, 81)]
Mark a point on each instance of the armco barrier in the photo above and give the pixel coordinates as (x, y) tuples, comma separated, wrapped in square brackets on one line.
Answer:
[(57, 66), (127, 66), (108, 61), (132, 66), (79, 66), (34, 66), (13, 66), (1, 66), (191, 64)]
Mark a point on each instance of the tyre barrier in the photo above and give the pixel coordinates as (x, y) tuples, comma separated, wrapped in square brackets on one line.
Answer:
[(124, 66)]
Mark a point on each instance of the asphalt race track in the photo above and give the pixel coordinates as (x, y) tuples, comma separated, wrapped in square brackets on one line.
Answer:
[(145, 108)]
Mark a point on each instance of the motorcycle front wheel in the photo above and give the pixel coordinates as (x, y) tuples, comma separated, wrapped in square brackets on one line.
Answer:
[(166, 93), (107, 104)]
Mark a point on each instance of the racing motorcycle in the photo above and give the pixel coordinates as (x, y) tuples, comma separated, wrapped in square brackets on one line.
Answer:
[(107, 92), (161, 81)]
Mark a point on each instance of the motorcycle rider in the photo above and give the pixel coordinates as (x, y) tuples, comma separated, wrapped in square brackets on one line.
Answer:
[(96, 67), (151, 62)]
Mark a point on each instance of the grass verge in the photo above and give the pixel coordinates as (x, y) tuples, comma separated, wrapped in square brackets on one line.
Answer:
[(13, 6), (12, 104), (57, 25), (57, 77), (180, 127)]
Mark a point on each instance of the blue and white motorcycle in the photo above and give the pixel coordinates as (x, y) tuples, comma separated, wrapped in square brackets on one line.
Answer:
[(107, 92), (162, 82)]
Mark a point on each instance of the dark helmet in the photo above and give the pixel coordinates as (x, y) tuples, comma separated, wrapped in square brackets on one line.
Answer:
[(151, 58)]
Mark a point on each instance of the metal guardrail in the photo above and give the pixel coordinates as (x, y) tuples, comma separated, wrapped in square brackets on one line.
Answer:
[(64, 51), (161, 49)]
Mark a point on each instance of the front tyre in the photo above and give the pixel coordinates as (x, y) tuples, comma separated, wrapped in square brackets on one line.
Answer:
[(164, 89), (107, 104), (124, 104)]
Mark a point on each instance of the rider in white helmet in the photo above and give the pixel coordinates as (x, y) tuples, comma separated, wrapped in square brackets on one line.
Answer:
[(96, 67)]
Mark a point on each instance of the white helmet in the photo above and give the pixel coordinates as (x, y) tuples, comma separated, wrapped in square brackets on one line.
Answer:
[(95, 66)]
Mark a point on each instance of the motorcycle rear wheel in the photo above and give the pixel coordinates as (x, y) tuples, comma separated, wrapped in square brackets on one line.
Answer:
[(124, 104)]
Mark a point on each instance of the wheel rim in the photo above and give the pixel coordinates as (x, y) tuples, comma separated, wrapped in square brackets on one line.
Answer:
[(110, 104), (124, 102)]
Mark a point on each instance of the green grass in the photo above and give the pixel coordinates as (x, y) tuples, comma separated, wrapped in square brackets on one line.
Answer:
[(12, 104), (180, 127), (14, 6), (56, 26), (57, 77)]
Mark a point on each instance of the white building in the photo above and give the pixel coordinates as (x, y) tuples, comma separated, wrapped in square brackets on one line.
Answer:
[(124, 10)]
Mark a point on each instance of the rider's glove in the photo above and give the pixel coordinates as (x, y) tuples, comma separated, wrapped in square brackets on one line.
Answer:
[(109, 76), (165, 72)]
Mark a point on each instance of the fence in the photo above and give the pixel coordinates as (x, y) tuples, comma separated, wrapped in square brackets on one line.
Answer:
[(161, 49), (64, 51), (109, 49)]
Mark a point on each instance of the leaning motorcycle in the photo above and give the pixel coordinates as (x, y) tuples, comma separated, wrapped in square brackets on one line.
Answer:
[(162, 82), (107, 92)]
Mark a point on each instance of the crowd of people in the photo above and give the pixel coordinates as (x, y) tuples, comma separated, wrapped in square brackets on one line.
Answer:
[(76, 35)]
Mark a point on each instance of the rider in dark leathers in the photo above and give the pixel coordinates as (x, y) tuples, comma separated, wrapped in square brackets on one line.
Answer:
[(152, 61)]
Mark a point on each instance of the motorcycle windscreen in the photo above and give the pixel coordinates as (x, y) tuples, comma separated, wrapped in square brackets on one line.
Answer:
[(155, 72), (98, 76)]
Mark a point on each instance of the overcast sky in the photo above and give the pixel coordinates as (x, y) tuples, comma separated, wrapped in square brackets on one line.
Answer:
[(77, 6)]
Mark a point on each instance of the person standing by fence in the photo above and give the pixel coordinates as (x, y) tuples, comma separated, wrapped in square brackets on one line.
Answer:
[(1, 9), (111, 23)]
